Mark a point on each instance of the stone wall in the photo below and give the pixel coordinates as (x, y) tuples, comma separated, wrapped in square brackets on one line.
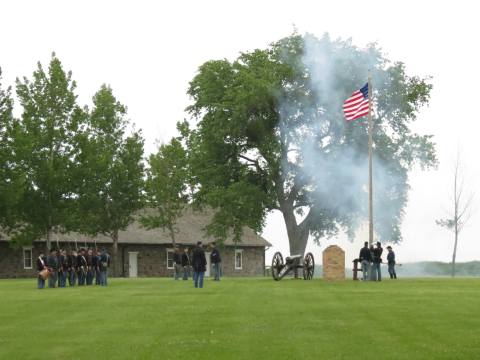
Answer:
[(11, 261), (333, 263), (253, 261), (151, 260)]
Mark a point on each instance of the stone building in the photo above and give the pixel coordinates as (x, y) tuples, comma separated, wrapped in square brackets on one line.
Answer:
[(143, 253)]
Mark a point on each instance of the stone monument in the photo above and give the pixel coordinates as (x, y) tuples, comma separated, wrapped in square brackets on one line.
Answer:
[(333, 263)]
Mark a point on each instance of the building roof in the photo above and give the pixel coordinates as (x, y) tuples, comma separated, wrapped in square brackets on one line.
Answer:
[(190, 230)]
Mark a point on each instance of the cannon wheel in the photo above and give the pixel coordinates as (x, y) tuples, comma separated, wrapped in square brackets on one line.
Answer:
[(277, 265), (308, 266)]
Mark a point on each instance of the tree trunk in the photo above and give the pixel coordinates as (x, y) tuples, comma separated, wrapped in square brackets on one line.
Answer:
[(454, 250), (297, 236), (297, 233), (115, 253), (172, 234), (49, 240), (298, 244)]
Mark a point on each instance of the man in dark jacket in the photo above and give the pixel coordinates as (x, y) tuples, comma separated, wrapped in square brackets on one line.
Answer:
[(365, 259), (370, 271), (215, 260), (185, 263), (96, 266), (377, 260), (52, 264), (41, 265), (72, 268), (104, 265), (62, 269), (90, 269), (391, 263), (199, 263), (81, 267)]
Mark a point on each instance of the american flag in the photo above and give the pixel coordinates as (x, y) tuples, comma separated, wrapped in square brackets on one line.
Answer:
[(356, 105)]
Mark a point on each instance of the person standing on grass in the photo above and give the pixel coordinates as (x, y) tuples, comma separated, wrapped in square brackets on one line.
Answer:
[(365, 259), (72, 268), (185, 264), (41, 265), (177, 263), (52, 264), (62, 269), (370, 268), (215, 260), (82, 267), (104, 265), (90, 270), (199, 263), (96, 266), (377, 260), (391, 263)]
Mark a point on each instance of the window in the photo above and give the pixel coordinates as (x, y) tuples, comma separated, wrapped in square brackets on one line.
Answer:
[(169, 258), (238, 259), (27, 258)]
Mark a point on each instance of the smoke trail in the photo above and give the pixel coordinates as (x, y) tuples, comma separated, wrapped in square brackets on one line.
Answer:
[(331, 154)]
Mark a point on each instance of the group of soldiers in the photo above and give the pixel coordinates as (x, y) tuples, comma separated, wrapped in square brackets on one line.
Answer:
[(371, 258), (83, 268), (198, 263)]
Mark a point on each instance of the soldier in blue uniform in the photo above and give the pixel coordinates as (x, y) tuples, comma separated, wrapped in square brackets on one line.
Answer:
[(81, 267), (52, 264), (365, 259), (90, 269), (104, 265), (185, 264), (72, 268), (391, 263), (377, 261), (96, 266), (62, 269), (216, 261), (41, 265), (199, 263)]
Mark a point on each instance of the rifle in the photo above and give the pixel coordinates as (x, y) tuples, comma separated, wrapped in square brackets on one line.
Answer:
[(84, 261), (60, 267)]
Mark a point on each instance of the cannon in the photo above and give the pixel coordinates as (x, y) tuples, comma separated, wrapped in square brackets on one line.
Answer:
[(292, 264)]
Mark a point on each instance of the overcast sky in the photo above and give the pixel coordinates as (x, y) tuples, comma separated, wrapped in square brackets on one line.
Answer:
[(148, 51)]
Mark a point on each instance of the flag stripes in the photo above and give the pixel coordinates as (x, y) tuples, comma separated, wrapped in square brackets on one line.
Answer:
[(357, 105)]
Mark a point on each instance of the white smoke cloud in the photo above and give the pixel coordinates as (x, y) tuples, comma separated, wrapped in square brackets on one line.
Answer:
[(339, 178)]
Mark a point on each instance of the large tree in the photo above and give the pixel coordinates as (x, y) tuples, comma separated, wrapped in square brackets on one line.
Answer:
[(166, 187), (11, 178), (110, 173), (270, 135), (42, 142)]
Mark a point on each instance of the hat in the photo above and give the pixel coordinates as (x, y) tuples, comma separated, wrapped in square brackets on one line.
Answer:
[(389, 247)]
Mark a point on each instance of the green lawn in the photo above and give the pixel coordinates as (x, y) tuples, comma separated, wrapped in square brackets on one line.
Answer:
[(242, 319)]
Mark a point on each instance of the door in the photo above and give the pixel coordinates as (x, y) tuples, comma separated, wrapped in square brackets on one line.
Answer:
[(132, 264), (209, 265)]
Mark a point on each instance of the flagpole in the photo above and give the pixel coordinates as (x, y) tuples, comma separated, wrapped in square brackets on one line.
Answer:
[(370, 165)]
